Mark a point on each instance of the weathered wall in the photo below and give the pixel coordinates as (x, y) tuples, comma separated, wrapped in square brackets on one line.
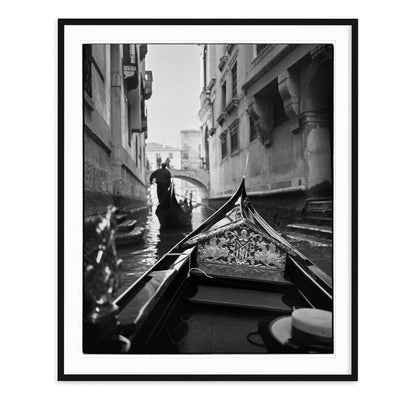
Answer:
[(128, 169), (114, 168), (191, 143), (97, 136), (290, 159)]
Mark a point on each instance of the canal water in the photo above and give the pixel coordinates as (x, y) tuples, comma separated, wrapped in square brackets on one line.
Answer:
[(138, 258)]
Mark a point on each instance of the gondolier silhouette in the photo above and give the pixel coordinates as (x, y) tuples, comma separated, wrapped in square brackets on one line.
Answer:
[(163, 178)]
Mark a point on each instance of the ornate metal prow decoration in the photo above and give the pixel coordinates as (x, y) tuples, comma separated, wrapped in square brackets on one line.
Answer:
[(101, 270)]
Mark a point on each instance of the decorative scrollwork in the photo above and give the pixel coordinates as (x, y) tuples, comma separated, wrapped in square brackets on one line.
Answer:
[(242, 244)]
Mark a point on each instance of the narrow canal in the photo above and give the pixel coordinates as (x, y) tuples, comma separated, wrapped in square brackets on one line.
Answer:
[(138, 258)]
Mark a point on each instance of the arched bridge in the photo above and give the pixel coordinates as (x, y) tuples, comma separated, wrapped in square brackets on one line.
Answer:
[(198, 177)]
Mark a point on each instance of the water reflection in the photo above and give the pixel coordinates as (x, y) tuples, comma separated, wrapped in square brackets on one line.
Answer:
[(138, 258), (319, 253)]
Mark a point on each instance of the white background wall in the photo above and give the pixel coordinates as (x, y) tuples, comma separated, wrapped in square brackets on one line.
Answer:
[(386, 325)]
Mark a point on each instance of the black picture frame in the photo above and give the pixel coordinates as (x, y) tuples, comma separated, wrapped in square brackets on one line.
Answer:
[(353, 376)]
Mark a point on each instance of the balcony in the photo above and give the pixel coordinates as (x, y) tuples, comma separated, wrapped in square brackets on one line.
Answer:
[(211, 84), (232, 105), (211, 131), (148, 83), (222, 118)]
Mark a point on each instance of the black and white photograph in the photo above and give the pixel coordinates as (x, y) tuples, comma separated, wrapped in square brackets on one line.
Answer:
[(207, 200), (218, 238)]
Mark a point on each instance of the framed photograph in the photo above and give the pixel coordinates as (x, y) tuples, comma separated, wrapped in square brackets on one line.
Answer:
[(207, 199)]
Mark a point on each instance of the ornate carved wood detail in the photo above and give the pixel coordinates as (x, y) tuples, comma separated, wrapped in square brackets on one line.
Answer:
[(262, 129), (242, 244), (289, 91)]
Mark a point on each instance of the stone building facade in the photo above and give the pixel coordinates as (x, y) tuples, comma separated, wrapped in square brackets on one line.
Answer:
[(191, 143), (275, 103), (116, 86)]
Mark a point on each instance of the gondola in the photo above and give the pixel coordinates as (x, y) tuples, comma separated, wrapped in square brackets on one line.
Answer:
[(170, 213), (219, 290)]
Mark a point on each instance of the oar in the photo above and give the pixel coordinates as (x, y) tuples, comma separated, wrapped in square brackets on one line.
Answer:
[(201, 204)]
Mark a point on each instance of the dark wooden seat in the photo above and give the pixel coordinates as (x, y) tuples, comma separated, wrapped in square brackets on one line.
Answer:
[(243, 272), (240, 298)]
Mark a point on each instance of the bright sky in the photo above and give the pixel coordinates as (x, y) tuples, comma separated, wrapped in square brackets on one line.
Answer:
[(174, 104)]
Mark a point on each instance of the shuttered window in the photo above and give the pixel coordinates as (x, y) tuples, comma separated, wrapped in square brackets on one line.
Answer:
[(234, 138), (223, 145), (234, 80)]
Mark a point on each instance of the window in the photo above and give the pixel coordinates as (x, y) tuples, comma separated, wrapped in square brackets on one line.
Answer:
[(137, 151), (170, 156), (185, 155), (223, 145), (224, 95), (205, 65), (260, 47), (234, 137), (253, 133), (206, 148), (234, 81)]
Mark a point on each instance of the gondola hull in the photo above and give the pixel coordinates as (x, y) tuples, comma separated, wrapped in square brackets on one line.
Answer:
[(171, 214)]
